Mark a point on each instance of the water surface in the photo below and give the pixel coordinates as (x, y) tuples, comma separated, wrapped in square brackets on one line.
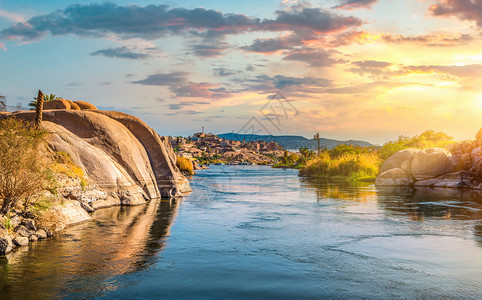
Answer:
[(253, 232)]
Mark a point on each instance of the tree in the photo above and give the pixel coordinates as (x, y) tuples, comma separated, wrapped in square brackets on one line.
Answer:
[(23, 169), (39, 109)]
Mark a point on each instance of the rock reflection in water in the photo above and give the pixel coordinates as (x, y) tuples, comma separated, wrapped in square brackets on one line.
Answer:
[(421, 203), (85, 260), (415, 203)]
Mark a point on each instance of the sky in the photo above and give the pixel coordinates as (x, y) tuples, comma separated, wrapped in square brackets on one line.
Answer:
[(349, 69)]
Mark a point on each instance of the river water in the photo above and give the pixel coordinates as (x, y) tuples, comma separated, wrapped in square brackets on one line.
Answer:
[(253, 232)]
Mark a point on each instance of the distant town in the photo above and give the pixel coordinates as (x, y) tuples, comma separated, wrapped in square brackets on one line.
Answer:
[(209, 148)]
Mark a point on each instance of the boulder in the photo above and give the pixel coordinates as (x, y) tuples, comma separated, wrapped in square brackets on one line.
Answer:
[(161, 155), (403, 157), (33, 238), (70, 212), (21, 241), (30, 224), (22, 231), (5, 242), (61, 104), (85, 105), (449, 180), (41, 234), (86, 207), (430, 163), (120, 155), (15, 221), (394, 177)]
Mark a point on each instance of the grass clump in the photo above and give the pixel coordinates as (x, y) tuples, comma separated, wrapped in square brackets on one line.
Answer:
[(352, 166), (185, 165)]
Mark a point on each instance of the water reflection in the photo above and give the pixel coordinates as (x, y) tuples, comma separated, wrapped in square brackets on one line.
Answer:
[(86, 259), (421, 203), (358, 191), (416, 204)]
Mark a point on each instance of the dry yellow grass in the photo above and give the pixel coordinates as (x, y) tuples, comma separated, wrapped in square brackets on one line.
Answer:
[(185, 165), (354, 166)]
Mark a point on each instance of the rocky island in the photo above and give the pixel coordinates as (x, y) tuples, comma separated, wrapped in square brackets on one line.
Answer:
[(457, 166), (120, 161)]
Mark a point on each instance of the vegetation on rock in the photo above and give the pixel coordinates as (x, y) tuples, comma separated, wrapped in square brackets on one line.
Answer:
[(185, 165), (23, 169)]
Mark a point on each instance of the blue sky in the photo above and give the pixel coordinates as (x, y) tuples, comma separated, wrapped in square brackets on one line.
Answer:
[(352, 69)]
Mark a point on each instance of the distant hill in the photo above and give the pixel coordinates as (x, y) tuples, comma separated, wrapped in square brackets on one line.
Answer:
[(292, 142)]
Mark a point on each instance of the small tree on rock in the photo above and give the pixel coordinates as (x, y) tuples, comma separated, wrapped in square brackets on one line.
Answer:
[(23, 169)]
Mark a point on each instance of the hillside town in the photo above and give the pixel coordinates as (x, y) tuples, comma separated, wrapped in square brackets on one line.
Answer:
[(211, 149)]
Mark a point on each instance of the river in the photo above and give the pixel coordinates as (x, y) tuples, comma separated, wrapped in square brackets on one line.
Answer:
[(253, 232)]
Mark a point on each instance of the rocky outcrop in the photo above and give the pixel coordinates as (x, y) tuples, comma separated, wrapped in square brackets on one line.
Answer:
[(61, 104), (125, 160), (85, 105), (458, 166)]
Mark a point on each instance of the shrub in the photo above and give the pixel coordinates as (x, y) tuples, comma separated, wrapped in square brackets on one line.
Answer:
[(185, 165), (23, 168), (360, 166)]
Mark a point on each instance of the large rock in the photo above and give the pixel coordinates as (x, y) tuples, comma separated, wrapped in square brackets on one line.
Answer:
[(162, 158), (85, 105), (448, 180), (119, 154), (21, 241), (22, 231), (5, 242), (394, 177), (430, 163), (61, 104), (41, 234), (402, 159), (71, 212)]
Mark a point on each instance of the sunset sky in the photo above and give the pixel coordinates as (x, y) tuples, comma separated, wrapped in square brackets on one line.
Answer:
[(349, 69)]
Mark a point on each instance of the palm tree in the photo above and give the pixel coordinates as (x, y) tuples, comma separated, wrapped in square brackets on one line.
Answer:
[(39, 109), (47, 98)]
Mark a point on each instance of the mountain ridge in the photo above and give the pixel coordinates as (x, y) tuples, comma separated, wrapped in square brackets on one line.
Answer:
[(292, 142)]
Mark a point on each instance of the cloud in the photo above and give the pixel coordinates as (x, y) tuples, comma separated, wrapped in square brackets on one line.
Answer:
[(355, 4), (223, 72), (312, 20), (379, 69), (273, 44), (122, 52), (431, 40), (370, 67), (473, 70), (270, 84), (180, 105), (155, 21), (369, 87), (314, 57), (470, 10), (209, 50), (10, 16), (163, 79), (178, 84)]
